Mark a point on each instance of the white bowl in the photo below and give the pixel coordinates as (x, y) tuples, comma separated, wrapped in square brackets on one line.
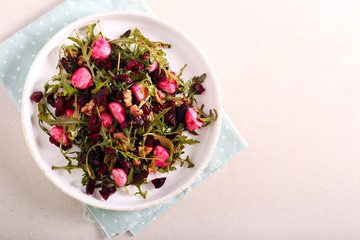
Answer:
[(183, 51)]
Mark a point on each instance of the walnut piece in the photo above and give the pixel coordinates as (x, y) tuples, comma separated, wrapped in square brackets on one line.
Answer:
[(150, 116), (144, 150), (179, 102), (159, 95), (80, 62), (121, 136), (102, 109), (75, 53), (127, 98), (88, 108), (136, 111), (136, 162)]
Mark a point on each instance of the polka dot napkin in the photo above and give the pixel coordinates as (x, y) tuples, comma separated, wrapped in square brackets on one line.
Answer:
[(16, 55)]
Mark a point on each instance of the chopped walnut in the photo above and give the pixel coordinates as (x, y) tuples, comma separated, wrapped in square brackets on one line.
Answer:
[(75, 53), (159, 95), (150, 116), (179, 102), (144, 150), (136, 162), (80, 62), (136, 111), (121, 136), (88, 108), (150, 169), (127, 98), (102, 109)]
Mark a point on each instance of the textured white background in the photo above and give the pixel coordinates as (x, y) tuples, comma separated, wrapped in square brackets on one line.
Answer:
[(290, 75)]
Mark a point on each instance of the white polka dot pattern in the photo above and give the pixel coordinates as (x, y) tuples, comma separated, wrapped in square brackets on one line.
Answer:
[(18, 53)]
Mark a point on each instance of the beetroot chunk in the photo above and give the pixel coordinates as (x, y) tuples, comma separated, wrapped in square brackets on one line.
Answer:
[(36, 96), (90, 186), (198, 88), (94, 124), (106, 191), (51, 100), (158, 182), (140, 176), (135, 66)]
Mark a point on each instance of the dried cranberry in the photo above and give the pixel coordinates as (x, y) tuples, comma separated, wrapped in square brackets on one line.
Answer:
[(116, 93), (198, 88), (94, 124), (65, 65), (101, 101), (181, 111), (125, 163), (102, 169), (123, 78), (155, 108), (139, 122), (170, 104), (106, 191), (83, 157), (36, 96), (51, 100), (95, 156), (84, 97), (125, 123), (170, 117), (134, 66), (131, 64), (136, 151), (140, 176), (56, 143), (102, 92), (160, 75), (158, 182), (145, 109), (90, 186), (69, 103), (149, 141), (145, 56), (104, 63), (73, 64), (110, 151), (93, 135), (60, 106)]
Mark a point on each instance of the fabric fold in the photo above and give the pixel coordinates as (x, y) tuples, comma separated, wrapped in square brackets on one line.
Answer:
[(18, 53)]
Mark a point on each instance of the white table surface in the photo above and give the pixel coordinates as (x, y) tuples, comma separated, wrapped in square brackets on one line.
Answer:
[(290, 74)]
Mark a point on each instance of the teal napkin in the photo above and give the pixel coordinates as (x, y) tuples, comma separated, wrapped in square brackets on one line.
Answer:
[(16, 55)]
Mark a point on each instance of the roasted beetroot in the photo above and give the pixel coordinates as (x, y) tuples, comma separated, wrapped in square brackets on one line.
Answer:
[(158, 182), (36, 96)]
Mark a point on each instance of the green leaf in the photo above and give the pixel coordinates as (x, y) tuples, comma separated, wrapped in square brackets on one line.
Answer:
[(69, 90), (79, 42), (167, 143), (140, 192), (130, 176)]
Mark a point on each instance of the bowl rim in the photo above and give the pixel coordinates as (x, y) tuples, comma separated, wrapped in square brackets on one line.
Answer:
[(217, 124)]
